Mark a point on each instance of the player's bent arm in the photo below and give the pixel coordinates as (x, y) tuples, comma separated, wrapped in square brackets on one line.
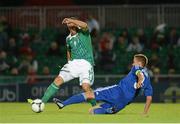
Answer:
[(77, 23), (80, 24), (148, 104), (140, 76)]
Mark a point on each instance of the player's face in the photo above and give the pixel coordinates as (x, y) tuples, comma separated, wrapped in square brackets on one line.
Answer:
[(71, 27), (136, 62)]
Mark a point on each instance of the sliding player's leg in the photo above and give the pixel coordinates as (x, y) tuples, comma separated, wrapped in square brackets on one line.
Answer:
[(79, 98), (114, 98), (103, 94)]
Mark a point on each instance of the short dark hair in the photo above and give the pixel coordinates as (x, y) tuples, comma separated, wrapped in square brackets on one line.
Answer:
[(142, 58)]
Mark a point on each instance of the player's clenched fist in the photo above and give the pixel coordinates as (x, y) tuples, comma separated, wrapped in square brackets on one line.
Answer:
[(66, 21)]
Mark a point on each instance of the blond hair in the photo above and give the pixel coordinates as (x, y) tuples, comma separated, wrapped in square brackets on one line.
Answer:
[(142, 58)]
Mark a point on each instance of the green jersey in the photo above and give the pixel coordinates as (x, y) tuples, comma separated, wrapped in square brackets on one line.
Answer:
[(80, 46)]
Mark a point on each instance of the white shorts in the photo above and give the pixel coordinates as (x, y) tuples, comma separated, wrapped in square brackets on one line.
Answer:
[(78, 68)]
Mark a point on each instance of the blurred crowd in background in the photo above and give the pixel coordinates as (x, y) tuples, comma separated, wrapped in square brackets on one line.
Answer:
[(32, 52)]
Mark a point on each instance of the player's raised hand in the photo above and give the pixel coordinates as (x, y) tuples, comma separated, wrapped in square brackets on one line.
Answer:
[(140, 76), (65, 21), (139, 85)]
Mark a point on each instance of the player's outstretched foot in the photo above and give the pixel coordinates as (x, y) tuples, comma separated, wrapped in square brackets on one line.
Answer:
[(58, 103), (30, 101)]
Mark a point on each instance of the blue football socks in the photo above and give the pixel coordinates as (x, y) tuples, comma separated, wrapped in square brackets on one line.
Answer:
[(74, 99)]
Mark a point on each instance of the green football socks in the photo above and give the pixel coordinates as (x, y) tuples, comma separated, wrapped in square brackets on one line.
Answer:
[(51, 90)]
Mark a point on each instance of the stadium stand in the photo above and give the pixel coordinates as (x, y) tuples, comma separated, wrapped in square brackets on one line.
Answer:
[(25, 47)]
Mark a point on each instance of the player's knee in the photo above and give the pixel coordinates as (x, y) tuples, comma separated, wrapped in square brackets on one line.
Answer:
[(58, 80)]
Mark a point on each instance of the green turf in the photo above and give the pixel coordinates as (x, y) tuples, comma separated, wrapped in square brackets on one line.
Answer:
[(21, 112)]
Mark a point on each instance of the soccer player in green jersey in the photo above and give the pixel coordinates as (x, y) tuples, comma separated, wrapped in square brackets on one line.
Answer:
[(80, 60)]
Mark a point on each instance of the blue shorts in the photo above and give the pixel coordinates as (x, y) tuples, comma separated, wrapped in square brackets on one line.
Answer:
[(113, 97)]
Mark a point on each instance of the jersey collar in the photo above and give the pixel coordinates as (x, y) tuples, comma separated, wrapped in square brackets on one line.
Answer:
[(70, 37)]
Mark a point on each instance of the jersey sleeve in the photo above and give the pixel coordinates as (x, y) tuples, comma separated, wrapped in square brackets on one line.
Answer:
[(148, 91), (84, 32), (68, 47)]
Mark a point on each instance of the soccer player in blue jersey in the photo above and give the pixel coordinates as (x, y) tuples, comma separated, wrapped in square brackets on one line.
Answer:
[(116, 97)]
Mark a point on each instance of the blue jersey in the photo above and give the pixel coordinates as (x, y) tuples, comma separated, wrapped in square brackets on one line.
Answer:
[(128, 83), (116, 97)]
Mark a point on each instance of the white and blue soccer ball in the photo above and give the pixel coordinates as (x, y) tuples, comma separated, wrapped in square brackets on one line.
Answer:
[(37, 106)]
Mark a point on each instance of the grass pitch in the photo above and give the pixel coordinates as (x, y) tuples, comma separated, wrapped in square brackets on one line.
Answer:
[(22, 113)]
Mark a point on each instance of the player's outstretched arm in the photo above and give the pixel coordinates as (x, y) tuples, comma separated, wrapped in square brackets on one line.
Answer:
[(77, 23), (147, 105)]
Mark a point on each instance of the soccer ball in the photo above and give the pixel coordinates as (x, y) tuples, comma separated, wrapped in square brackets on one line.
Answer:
[(37, 105)]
